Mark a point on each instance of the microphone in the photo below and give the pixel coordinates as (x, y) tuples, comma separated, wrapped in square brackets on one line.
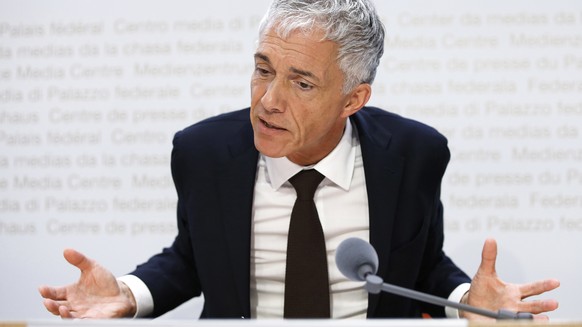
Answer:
[(357, 260)]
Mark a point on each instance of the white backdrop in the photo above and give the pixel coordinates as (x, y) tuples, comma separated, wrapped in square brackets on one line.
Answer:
[(92, 92)]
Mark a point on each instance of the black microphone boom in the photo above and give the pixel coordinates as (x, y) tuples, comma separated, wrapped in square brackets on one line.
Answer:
[(357, 260)]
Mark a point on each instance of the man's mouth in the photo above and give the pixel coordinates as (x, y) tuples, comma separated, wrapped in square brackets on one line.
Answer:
[(271, 125)]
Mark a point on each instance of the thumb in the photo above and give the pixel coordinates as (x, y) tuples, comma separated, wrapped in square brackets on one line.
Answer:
[(77, 259), (488, 257)]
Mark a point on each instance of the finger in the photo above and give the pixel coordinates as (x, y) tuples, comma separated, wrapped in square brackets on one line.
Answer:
[(77, 259), (488, 257), (538, 306), (538, 287), (53, 293), (541, 318), (52, 306), (65, 313)]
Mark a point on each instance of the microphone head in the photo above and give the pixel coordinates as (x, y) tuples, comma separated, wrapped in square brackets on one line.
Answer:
[(356, 258)]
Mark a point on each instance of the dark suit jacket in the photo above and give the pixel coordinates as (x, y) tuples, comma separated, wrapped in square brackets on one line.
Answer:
[(214, 165)]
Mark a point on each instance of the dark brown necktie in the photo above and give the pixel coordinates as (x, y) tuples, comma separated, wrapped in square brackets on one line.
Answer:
[(306, 276)]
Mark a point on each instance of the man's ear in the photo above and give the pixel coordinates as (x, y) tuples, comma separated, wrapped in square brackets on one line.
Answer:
[(357, 98)]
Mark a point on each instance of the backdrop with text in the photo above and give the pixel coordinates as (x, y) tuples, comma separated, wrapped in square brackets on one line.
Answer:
[(91, 94)]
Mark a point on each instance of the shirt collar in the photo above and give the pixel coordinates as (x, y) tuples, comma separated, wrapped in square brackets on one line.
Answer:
[(337, 166)]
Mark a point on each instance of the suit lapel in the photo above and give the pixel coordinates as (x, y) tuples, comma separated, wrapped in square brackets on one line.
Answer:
[(236, 184), (383, 171)]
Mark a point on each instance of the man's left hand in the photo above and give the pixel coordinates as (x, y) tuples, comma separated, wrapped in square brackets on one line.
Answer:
[(488, 291)]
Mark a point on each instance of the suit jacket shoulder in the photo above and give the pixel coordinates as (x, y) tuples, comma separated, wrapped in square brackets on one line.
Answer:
[(405, 134), (214, 137)]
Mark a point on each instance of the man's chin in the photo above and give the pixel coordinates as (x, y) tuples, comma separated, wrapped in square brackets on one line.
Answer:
[(269, 150)]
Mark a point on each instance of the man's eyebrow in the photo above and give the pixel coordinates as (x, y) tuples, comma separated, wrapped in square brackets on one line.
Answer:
[(302, 72), (263, 57)]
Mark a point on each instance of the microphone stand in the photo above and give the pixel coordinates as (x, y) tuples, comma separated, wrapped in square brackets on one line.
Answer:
[(375, 284)]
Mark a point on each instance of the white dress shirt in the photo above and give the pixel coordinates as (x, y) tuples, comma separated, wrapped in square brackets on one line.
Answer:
[(342, 204)]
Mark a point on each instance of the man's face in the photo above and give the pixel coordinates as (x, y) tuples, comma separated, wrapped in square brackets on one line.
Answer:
[(298, 109)]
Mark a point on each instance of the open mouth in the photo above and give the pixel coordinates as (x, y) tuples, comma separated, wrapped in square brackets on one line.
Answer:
[(271, 125)]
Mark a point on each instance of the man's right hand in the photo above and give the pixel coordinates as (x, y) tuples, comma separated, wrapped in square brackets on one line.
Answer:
[(97, 294)]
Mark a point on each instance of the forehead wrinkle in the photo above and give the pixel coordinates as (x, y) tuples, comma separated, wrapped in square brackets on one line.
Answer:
[(298, 71), (271, 41)]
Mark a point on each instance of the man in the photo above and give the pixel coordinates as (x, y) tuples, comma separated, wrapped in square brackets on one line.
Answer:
[(314, 66)]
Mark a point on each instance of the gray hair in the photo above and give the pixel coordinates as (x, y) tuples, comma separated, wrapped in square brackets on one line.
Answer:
[(353, 24)]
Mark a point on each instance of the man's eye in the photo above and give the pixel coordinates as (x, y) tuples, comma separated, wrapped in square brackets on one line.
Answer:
[(304, 86), (262, 71)]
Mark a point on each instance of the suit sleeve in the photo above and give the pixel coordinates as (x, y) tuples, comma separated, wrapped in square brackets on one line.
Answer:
[(439, 275), (171, 275)]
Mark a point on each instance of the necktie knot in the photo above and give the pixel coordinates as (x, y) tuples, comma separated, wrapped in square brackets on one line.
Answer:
[(305, 183)]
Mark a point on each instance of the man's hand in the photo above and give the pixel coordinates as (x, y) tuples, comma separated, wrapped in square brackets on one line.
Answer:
[(489, 292), (97, 293)]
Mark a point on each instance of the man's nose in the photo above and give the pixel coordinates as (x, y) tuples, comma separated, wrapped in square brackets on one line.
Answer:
[(274, 98)]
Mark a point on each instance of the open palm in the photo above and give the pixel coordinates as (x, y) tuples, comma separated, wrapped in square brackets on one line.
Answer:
[(97, 293), (488, 291)]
